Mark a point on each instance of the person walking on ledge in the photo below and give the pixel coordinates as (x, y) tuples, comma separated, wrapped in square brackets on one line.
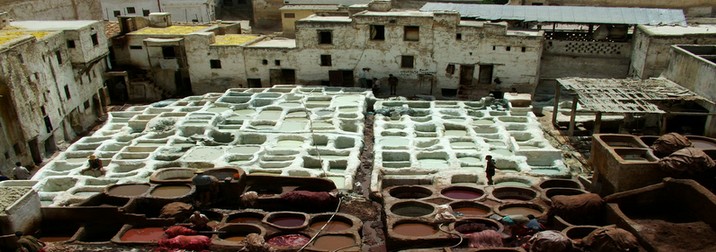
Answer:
[(20, 172), (490, 169), (393, 82)]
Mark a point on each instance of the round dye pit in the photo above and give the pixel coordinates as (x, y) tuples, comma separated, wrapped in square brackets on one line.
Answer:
[(577, 233), (287, 220), (170, 191), (248, 217), (334, 242), (222, 173), (514, 193), (433, 163), (289, 144), (288, 240), (410, 192), (520, 209), (512, 181), (127, 190), (462, 192), (565, 183), (473, 225), (414, 229), (471, 209), (412, 209), (338, 223), (238, 232), (150, 234)]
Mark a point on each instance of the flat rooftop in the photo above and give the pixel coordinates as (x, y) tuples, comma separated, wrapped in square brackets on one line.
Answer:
[(275, 43), (678, 30), (171, 30), (52, 25), (9, 34), (331, 19), (233, 39)]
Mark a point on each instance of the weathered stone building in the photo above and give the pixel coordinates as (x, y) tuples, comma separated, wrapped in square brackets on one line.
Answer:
[(52, 9), (652, 46), (51, 84), (197, 11), (294, 10)]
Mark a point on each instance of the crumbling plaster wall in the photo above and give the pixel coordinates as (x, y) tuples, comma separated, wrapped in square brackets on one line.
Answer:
[(266, 13), (109, 6), (255, 69), (584, 59), (52, 9), (205, 79), (651, 52)]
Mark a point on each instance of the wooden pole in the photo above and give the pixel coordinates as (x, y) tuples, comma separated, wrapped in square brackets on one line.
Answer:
[(555, 110), (573, 115), (598, 122)]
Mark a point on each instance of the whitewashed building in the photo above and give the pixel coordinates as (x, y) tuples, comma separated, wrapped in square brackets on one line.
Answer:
[(51, 85), (197, 11)]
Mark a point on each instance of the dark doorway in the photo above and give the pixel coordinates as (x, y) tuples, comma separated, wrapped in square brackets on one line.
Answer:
[(35, 151), (466, 73), (117, 90), (183, 84), (50, 145), (282, 76), (485, 74), (254, 83), (343, 78)]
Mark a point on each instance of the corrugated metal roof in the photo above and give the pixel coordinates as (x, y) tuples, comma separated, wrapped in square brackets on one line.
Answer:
[(310, 7), (564, 14), (338, 2)]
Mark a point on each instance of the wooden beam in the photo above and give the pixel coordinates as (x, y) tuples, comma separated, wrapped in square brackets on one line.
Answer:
[(597, 122), (573, 115), (555, 109)]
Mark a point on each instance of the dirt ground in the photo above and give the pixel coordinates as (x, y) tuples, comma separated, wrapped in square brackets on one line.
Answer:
[(668, 236)]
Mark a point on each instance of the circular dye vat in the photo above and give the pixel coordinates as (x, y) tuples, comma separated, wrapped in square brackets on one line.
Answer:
[(238, 232), (129, 190), (412, 209), (289, 240), (289, 144), (577, 233), (564, 183), (410, 192), (521, 209), (170, 191), (333, 242), (331, 227), (287, 220), (150, 234), (474, 225), (514, 193), (467, 208), (462, 192), (414, 229), (245, 218), (551, 192), (222, 174), (236, 239)]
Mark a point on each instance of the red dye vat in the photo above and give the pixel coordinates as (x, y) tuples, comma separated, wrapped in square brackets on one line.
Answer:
[(288, 221), (461, 193), (289, 240), (151, 234)]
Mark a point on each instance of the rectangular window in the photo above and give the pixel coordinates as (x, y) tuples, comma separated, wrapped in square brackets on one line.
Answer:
[(145, 12), (458, 36), (95, 41), (67, 92), (326, 60), (215, 64), (407, 61), (17, 149), (58, 53), (131, 10), (411, 33), (289, 15), (377, 32), (42, 109), (89, 78), (277, 62), (117, 13), (264, 62), (70, 43), (228, 2), (508, 48), (135, 47), (524, 49), (86, 104), (325, 37), (22, 60), (48, 124), (168, 52)]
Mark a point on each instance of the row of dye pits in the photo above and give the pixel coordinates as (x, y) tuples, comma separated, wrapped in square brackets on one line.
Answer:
[(632, 148), (283, 230), (410, 210)]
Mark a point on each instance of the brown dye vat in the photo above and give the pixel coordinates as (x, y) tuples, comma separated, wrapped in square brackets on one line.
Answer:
[(150, 234), (238, 232), (331, 227), (577, 233), (245, 220), (467, 208), (703, 143), (414, 229), (287, 219), (474, 225), (245, 217), (128, 190), (170, 191), (333, 242), (621, 141), (462, 192), (551, 192), (236, 239), (412, 209), (520, 210)]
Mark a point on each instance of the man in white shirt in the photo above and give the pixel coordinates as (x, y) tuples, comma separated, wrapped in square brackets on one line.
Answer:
[(20, 172)]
